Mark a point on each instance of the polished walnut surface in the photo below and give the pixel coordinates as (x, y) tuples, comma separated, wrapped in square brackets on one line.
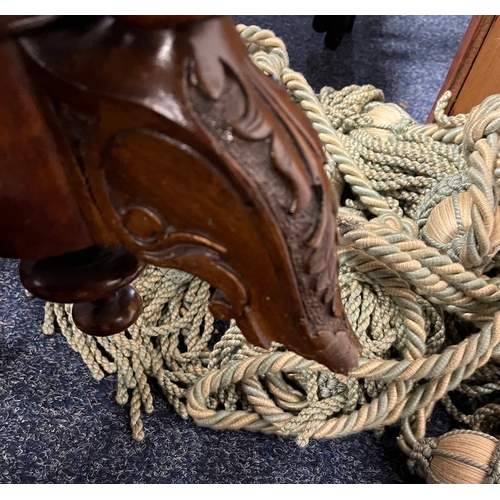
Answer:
[(159, 141)]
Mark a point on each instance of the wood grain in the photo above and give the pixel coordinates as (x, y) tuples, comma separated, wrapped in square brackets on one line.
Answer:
[(179, 150), (475, 71), (39, 215)]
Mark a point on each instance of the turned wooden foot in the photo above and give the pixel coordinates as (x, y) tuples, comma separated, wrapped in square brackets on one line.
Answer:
[(170, 147), (95, 280), (109, 315)]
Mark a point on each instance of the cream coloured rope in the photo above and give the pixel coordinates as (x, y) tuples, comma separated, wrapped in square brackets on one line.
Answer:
[(419, 241)]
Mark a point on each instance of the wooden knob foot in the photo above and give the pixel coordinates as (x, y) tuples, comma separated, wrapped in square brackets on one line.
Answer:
[(96, 280), (110, 315)]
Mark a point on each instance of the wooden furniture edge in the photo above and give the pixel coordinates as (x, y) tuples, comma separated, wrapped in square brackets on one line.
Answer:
[(463, 61)]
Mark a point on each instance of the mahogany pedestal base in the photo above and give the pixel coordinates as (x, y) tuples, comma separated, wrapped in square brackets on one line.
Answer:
[(128, 140)]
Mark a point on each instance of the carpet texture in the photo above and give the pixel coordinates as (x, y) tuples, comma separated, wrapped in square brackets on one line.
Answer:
[(58, 425)]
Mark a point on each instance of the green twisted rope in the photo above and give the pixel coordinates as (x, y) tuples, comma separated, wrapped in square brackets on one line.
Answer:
[(407, 294)]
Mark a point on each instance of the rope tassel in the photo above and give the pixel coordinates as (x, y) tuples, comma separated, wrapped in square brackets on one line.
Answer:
[(419, 232)]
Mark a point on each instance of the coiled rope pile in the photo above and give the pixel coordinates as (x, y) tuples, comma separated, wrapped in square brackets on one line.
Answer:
[(419, 228)]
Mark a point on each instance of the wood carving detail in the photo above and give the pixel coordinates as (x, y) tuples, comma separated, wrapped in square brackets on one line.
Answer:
[(290, 148), (197, 160)]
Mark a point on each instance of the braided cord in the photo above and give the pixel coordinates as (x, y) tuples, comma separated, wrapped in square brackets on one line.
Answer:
[(418, 254)]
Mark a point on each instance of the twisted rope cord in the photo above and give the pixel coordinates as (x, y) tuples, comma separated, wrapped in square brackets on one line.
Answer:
[(397, 285), (470, 245), (445, 372), (421, 451), (430, 272), (299, 88)]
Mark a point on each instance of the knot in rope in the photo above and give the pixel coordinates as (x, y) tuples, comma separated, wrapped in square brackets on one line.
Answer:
[(486, 419), (460, 214), (419, 460)]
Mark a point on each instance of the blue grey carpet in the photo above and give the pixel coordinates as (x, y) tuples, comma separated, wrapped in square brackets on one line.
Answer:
[(405, 56), (58, 425)]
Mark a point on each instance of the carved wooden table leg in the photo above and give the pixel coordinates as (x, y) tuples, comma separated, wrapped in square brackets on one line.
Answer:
[(180, 149), (95, 280)]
